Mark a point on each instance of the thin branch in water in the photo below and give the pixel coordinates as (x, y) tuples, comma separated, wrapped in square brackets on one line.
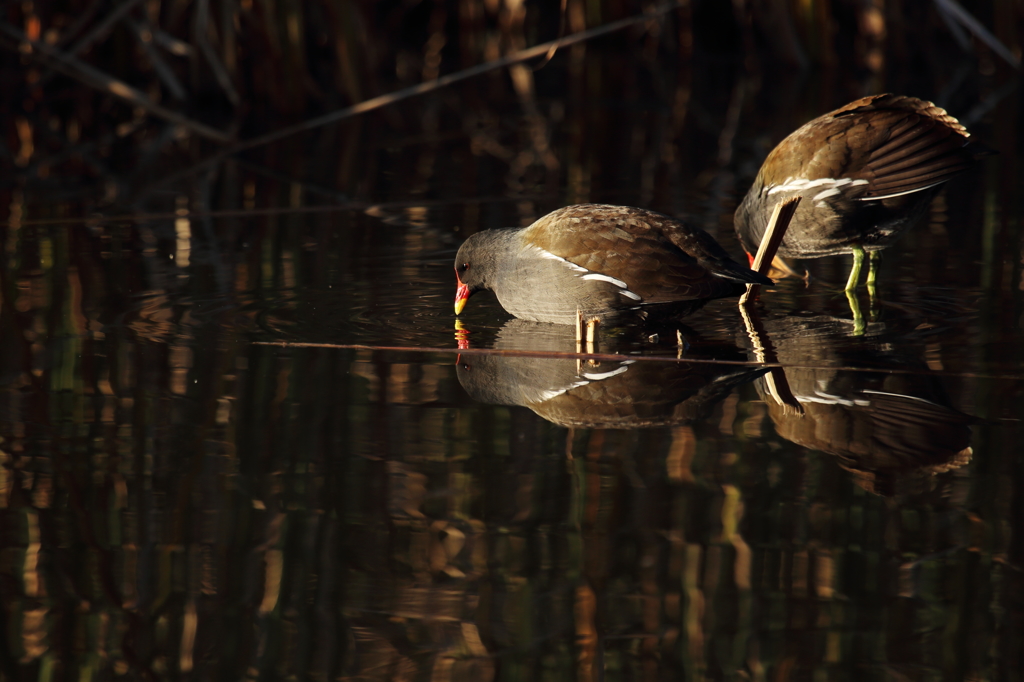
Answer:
[(93, 77), (619, 357)]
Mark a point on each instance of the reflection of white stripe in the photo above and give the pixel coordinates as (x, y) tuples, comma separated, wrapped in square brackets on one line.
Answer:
[(607, 375), (901, 395), (828, 399), (627, 292), (554, 393)]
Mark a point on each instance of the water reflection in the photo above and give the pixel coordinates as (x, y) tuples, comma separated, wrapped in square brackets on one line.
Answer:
[(882, 413), (589, 393), (179, 500)]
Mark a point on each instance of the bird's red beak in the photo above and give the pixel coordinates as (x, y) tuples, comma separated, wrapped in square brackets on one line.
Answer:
[(461, 294)]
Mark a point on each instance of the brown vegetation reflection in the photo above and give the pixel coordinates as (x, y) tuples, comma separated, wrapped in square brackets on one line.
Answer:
[(176, 501)]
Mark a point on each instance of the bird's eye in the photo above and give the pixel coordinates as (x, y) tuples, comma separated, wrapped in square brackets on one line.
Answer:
[(466, 366), (465, 266)]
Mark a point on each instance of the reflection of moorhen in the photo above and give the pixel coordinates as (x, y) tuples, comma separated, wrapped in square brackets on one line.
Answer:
[(866, 172), (884, 426), (610, 394), (605, 261)]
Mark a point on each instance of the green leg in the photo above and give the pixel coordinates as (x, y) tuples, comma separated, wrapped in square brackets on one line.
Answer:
[(858, 316), (858, 262), (873, 259)]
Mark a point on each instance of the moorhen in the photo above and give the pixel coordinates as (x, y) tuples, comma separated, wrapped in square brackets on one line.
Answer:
[(866, 171), (608, 262)]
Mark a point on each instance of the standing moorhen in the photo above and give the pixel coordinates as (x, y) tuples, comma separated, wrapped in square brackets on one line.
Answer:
[(607, 262), (866, 172)]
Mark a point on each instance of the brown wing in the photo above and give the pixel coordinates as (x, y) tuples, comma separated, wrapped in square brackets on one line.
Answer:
[(897, 144), (659, 258)]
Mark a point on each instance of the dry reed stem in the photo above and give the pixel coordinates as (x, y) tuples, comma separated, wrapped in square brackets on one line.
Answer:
[(952, 10), (93, 77), (144, 34), (444, 81), (777, 225), (202, 30)]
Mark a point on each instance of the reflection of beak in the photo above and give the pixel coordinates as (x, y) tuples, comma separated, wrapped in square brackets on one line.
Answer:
[(461, 295), (461, 336)]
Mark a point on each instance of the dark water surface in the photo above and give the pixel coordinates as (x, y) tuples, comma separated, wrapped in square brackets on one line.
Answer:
[(187, 491)]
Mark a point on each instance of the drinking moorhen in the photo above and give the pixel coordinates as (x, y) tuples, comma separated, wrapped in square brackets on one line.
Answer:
[(866, 171), (608, 262)]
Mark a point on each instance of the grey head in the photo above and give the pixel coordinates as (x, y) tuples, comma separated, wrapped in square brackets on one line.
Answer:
[(479, 261)]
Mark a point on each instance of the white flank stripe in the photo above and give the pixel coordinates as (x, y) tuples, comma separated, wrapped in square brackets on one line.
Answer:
[(630, 294), (825, 194), (544, 253), (801, 184), (606, 278)]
